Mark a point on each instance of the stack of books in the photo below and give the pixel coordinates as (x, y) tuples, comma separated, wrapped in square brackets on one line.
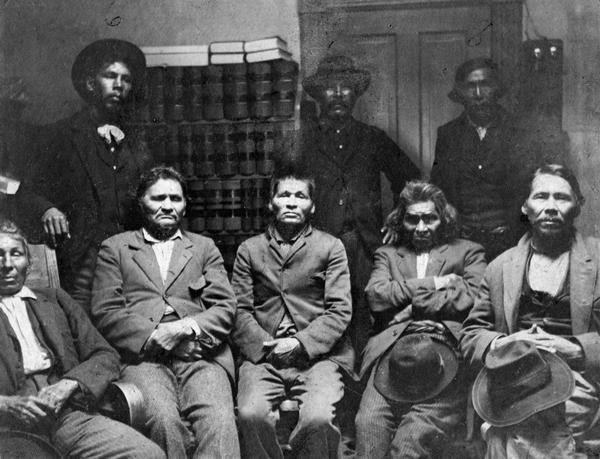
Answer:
[(266, 49), (176, 56), (238, 52), (226, 52)]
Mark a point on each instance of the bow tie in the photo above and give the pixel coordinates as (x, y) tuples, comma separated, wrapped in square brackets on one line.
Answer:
[(111, 134)]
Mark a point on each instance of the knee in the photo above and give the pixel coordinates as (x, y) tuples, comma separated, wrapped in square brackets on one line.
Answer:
[(363, 419), (148, 450), (257, 414), (316, 418)]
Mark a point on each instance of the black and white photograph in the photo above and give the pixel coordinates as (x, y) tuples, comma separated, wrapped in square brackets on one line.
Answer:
[(300, 229)]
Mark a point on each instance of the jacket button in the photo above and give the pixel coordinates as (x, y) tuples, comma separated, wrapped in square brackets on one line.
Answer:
[(395, 333), (151, 319)]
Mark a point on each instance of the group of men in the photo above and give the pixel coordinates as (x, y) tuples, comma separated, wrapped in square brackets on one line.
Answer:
[(159, 295)]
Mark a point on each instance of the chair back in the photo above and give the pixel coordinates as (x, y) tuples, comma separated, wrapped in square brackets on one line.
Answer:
[(43, 270)]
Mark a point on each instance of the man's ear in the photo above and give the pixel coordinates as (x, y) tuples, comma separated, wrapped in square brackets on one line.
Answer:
[(90, 84), (524, 208), (312, 209), (270, 206)]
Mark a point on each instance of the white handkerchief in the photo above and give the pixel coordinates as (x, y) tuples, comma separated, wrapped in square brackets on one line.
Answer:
[(111, 133)]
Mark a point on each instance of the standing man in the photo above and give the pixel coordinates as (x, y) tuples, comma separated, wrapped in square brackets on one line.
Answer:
[(481, 158), (546, 291), (294, 306), (420, 291), (89, 161), (347, 158), (55, 366), (161, 297)]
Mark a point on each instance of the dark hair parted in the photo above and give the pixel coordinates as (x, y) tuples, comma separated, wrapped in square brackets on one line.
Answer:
[(463, 71), (292, 170), (150, 177), (563, 172), (420, 191), (10, 228)]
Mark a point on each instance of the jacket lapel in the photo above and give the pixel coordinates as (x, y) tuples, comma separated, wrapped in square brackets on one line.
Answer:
[(182, 254), (52, 333), (298, 245), (145, 258), (437, 260), (407, 262), (582, 277), (513, 271)]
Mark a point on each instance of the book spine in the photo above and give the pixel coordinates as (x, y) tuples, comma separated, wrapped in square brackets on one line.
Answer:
[(260, 90), (235, 92), (192, 80), (212, 92), (285, 80)]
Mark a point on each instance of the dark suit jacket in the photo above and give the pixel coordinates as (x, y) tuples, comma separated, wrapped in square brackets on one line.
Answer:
[(313, 283), (348, 191), (496, 310), (394, 286), (129, 297), (79, 351), (75, 173)]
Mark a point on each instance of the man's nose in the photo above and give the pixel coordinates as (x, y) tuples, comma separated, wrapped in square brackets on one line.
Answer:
[(167, 205), (6, 263), (118, 82), (477, 90), (421, 226)]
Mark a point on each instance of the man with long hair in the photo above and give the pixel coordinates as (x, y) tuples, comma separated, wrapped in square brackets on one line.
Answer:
[(419, 292)]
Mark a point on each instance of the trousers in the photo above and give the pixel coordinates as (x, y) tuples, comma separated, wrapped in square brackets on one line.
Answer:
[(407, 430), (196, 394), (317, 389)]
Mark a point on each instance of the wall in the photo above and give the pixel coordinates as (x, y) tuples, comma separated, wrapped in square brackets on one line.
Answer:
[(577, 23), (40, 38)]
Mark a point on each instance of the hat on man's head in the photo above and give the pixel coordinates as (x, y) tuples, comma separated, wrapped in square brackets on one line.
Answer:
[(106, 51), (336, 68), (519, 380), (418, 367)]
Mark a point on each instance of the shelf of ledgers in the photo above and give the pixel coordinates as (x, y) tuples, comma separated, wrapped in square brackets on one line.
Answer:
[(222, 126)]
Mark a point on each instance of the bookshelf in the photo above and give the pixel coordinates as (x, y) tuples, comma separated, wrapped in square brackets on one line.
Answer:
[(222, 127)]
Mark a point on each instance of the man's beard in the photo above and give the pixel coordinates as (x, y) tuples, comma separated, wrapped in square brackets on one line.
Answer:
[(162, 233)]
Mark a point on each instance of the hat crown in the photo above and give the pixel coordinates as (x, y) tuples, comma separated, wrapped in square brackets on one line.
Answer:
[(415, 364), (335, 64), (515, 370)]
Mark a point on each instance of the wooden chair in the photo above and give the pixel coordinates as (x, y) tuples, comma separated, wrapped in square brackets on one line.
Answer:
[(122, 401)]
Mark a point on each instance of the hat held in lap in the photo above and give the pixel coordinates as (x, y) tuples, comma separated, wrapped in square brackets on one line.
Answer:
[(519, 380), (418, 367)]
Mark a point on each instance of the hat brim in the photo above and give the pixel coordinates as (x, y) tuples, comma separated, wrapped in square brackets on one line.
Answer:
[(100, 51), (359, 80), (558, 391), (386, 387)]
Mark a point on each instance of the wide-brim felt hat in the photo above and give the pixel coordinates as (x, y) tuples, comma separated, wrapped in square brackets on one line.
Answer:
[(510, 389), (337, 68), (105, 51), (418, 367)]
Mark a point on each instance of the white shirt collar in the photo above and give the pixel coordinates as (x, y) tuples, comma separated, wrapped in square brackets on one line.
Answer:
[(25, 292), (149, 238)]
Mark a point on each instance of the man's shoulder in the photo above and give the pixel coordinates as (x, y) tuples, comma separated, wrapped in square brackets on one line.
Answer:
[(323, 237), (123, 238), (198, 239), (465, 245)]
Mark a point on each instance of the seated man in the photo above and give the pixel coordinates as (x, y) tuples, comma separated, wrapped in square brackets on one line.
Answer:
[(426, 285), (54, 365), (293, 290), (162, 298), (546, 290)]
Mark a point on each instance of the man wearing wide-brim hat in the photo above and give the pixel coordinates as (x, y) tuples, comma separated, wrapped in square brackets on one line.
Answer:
[(520, 393), (88, 162), (420, 290), (347, 157), (546, 291)]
